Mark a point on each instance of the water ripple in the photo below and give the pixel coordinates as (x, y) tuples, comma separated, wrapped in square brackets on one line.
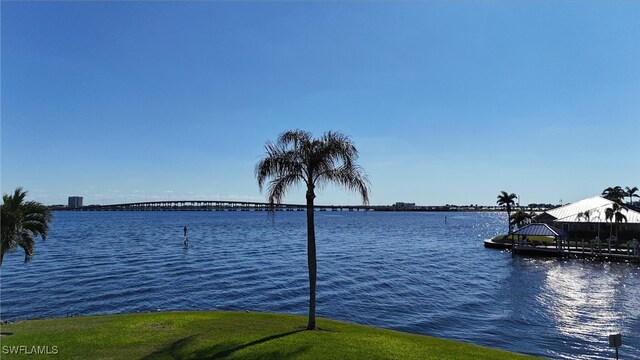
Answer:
[(406, 271)]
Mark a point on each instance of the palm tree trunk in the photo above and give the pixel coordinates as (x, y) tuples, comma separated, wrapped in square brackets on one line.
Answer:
[(611, 230), (311, 258)]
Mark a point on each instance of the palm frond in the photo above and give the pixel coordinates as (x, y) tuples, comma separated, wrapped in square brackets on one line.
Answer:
[(317, 162), (278, 162), (36, 218), (615, 193), (22, 222), (279, 186), (350, 177), (338, 148), (506, 199), (27, 243), (294, 138)]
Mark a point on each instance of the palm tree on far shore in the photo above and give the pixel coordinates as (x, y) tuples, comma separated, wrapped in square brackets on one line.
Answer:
[(614, 214), (615, 193), (297, 158), (507, 199), (521, 218), (22, 221), (631, 193)]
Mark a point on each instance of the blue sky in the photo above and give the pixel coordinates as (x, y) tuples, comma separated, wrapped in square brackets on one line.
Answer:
[(448, 102)]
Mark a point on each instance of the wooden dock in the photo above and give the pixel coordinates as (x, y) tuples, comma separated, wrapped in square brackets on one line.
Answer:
[(571, 250)]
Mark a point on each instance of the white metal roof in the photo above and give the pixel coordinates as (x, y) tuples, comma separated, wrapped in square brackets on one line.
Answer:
[(596, 206)]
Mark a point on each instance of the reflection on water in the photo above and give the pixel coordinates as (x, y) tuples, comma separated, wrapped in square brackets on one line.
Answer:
[(570, 307), (406, 271), (583, 305)]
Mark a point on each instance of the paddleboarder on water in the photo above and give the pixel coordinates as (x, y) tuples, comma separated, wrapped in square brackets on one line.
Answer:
[(186, 239)]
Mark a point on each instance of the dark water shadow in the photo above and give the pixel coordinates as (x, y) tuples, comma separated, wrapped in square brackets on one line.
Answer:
[(176, 350)]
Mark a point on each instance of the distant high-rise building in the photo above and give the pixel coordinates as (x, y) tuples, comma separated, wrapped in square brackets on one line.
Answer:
[(75, 201)]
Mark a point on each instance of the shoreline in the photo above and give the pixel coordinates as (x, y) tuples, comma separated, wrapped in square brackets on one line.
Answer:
[(213, 334)]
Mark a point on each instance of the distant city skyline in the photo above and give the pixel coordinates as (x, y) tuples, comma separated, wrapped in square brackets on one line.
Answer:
[(448, 103)]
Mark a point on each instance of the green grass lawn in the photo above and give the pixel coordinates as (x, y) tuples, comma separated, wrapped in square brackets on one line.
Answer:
[(226, 335)]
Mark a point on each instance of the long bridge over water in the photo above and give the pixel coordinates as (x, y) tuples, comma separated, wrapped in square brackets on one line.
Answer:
[(218, 205), (232, 205)]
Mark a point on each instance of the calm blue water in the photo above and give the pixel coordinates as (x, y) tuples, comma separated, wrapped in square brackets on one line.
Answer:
[(404, 271)]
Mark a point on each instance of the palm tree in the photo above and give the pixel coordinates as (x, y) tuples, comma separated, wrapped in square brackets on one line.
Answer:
[(298, 158), (22, 222), (507, 199), (520, 218), (615, 193), (614, 214), (631, 193)]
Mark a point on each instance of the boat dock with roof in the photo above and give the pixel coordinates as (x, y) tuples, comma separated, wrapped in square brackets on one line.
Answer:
[(576, 230), (527, 242)]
